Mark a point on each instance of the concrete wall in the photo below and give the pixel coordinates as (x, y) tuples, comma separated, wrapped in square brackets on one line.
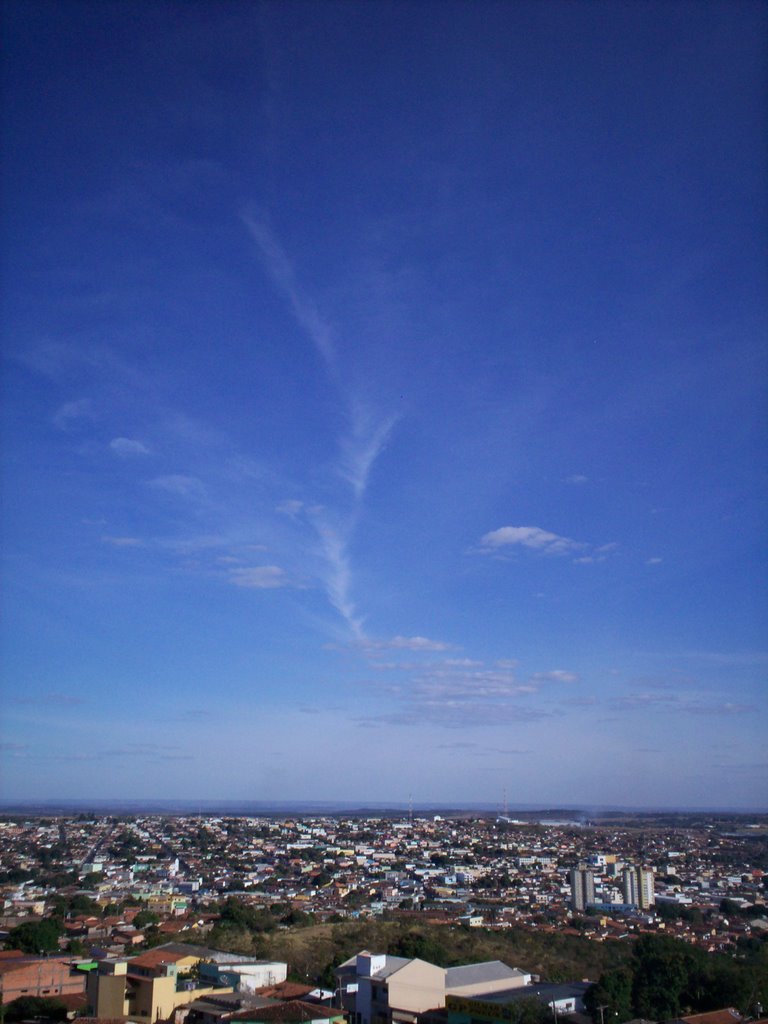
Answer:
[(106, 994), (515, 979), (418, 986), (43, 976)]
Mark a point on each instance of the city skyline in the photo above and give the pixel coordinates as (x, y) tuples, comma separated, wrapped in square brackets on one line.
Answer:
[(385, 403)]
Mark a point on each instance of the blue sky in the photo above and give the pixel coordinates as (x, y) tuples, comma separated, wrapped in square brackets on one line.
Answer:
[(385, 402)]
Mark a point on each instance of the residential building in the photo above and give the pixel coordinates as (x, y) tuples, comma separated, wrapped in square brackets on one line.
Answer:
[(484, 979), (43, 976), (243, 976), (638, 886), (561, 999), (582, 887), (152, 985), (295, 1011), (383, 989)]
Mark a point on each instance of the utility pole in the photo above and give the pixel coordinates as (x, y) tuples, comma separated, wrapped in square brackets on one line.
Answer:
[(601, 1010)]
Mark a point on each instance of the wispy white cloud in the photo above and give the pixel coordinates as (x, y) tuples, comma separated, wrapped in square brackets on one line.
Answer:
[(531, 537), (123, 542), (70, 414), (336, 573), (748, 658), (361, 448), (481, 749), (280, 270), (455, 691), (543, 542), (577, 478), (55, 699), (404, 643), (137, 751), (60, 360), (458, 714), (259, 577), (685, 704), (126, 447), (654, 561), (291, 507), (581, 702), (180, 485), (557, 675)]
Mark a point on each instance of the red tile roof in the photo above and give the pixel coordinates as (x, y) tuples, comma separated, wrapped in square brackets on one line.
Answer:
[(295, 1010), (155, 957), (285, 990), (725, 1016)]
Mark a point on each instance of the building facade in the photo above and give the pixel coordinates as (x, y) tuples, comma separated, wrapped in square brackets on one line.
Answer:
[(375, 988), (42, 976), (638, 886), (582, 887)]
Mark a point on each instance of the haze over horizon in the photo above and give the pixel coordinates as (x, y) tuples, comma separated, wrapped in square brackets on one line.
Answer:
[(385, 402)]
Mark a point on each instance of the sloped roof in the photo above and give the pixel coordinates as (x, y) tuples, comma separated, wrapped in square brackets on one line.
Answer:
[(7, 966), (204, 953), (725, 1016), (392, 964), (476, 974), (547, 990), (286, 990), (288, 1012), (155, 957)]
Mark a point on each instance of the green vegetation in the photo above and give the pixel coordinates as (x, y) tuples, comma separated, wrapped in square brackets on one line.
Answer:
[(314, 951), (144, 918), (656, 977), (35, 1008), (666, 978), (522, 1011), (36, 936)]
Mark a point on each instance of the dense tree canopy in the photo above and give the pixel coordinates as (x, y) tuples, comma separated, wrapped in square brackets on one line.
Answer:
[(34, 1008), (36, 936), (667, 978)]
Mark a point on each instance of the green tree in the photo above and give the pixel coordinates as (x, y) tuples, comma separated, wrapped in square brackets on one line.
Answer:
[(418, 945), (81, 904), (731, 908), (298, 919), (614, 993), (530, 1011), (144, 918), (35, 1008), (662, 972), (36, 936)]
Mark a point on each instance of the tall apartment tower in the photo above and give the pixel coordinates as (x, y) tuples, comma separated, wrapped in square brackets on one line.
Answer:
[(637, 886), (582, 887)]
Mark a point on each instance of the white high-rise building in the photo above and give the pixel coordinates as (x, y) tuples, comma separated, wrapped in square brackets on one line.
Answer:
[(637, 886), (582, 887)]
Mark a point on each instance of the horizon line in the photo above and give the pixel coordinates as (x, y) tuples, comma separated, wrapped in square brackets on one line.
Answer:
[(578, 812)]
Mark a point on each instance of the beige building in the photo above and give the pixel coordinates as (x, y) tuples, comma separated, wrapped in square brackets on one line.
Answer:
[(379, 989), (147, 987), (483, 979)]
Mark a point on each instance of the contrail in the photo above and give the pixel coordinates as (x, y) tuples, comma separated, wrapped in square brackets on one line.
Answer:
[(359, 447), (279, 268)]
